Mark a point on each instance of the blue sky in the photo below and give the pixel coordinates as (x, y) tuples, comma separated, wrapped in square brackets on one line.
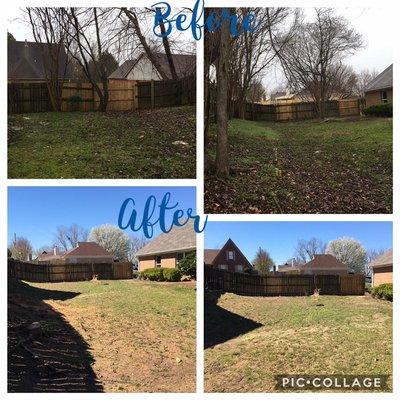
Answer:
[(280, 238), (35, 212)]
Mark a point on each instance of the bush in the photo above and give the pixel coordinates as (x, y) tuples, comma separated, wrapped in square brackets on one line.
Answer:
[(161, 274), (171, 274), (152, 274), (384, 292), (379, 110), (187, 266)]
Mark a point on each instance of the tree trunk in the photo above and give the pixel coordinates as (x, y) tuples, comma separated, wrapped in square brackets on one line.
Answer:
[(222, 160)]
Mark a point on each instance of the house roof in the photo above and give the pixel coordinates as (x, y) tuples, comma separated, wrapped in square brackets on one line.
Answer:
[(47, 256), (383, 81), (210, 255), (325, 261), (288, 267), (384, 260), (185, 65), (25, 60), (87, 249), (179, 238)]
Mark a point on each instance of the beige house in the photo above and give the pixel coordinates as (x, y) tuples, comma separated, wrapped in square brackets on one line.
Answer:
[(321, 264), (380, 89), (84, 252), (167, 249), (382, 269)]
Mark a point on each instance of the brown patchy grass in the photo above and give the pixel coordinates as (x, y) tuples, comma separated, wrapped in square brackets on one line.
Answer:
[(141, 335), (341, 166), (347, 335)]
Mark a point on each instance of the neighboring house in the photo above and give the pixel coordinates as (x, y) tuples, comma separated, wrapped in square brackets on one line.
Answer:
[(229, 258), (382, 269), (142, 69), (321, 264), (380, 89), (25, 62), (167, 249), (84, 252)]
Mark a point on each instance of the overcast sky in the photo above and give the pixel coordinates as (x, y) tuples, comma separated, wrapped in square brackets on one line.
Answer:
[(372, 23)]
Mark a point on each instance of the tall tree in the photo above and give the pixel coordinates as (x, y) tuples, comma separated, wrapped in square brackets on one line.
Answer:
[(135, 244), (263, 261), (21, 248), (312, 59), (307, 249), (372, 254), (350, 252), (67, 237), (112, 239)]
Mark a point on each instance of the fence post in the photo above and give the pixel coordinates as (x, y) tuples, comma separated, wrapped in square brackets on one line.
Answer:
[(152, 93)]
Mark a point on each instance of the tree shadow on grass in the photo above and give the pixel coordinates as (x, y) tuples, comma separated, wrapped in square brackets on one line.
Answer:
[(54, 358), (221, 325)]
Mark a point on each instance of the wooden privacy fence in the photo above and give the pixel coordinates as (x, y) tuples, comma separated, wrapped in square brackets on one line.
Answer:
[(301, 110), (282, 284), (124, 95), (68, 273)]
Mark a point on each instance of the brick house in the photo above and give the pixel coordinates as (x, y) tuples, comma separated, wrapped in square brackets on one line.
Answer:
[(167, 249), (380, 89), (229, 258), (382, 269), (321, 264), (142, 69), (84, 252)]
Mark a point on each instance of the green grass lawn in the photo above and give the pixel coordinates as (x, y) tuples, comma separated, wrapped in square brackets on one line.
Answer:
[(293, 335), (143, 144), (338, 166), (141, 335)]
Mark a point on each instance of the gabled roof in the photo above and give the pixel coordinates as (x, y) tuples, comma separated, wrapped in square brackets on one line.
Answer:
[(178, 239), (185, 65), (325, 261), (213, 253), (384, 260), (87, 249), (47, 256), (25, 60), (383, 81)]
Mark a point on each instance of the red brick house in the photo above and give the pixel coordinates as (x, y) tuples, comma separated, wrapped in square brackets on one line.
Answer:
[(84, 252), (321, 264), (229, 258)]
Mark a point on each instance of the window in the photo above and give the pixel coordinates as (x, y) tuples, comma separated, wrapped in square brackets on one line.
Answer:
[(222, 266), (384, 96), (238, 268), (179, 257), (158, 261), (230, 255)]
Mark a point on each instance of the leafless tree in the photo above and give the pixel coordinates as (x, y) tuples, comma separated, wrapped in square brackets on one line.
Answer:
[(312, 59), (52, 42), (67, 237), (21, 248), (306, 249), (263, 261), (364, 77), (372, 254), (135, 244)]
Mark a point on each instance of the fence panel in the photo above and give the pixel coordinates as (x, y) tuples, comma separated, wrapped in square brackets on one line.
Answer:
[(69, 272), (283, 284)]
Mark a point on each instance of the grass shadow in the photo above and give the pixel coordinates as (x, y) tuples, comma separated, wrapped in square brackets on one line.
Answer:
[(53, 358), (221, 325)]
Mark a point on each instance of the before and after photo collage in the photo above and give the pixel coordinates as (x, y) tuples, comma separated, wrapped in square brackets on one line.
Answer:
[(200, 199)]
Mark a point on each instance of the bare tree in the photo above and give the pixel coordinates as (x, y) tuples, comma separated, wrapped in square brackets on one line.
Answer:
[(306, 249), (372, 254), (21, 248), (364, 77), (135, 244), (52, 42), (263, 261), (312, 59), (67, 237)]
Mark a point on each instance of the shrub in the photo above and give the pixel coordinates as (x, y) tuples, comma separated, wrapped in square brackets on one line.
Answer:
[(171, 274), (379, 110), (152, 274), (384, 292), (187, 266)]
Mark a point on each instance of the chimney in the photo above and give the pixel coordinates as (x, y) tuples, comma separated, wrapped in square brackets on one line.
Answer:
[(55, 251)]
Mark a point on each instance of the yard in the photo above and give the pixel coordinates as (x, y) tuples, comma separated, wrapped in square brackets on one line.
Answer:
[(249, 340), (121, 336), (336, 166), (144, 144)]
